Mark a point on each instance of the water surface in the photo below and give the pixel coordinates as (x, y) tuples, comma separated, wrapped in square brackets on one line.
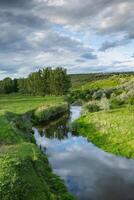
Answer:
[(88, 172)]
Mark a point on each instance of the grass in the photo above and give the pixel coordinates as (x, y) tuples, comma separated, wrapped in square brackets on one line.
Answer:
[(112, 131), (25, 173), (21, 103), (18, 104), (46, 113), (105, 83)]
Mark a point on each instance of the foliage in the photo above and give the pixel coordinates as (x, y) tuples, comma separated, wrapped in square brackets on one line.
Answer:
[(104, 104), (8, 86), (44, 82), (26, 174), (110, 87), (92, 106), (83, 81)]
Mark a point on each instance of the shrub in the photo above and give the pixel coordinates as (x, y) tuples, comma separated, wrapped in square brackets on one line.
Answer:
[(123, 97), (131, 93), (104, 104), (92, 106), (116, 102), (109, 92), (131, 101), (98, 94)]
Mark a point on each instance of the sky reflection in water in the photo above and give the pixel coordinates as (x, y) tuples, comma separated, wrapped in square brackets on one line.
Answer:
[(89, 172)]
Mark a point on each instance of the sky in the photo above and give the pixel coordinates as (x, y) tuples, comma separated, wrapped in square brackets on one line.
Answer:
[(82, 36)]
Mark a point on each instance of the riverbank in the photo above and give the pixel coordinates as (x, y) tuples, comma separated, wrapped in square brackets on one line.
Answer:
[(24, 171), (113, 131)]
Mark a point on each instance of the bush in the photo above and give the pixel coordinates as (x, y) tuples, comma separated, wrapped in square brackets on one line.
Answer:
[(92, 106), (131, 101), (109, 92), (98, 94), (116, 102), (123, 97), (131, 93), (104, 104)]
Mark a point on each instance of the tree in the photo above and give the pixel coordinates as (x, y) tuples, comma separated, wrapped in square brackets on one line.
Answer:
[(35, 83), (22, 85), (61, 81), (44, 82), (47, 78), (7, 85), (15, 85)]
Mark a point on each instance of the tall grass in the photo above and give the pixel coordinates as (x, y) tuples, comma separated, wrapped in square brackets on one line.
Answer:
[(113, 130)]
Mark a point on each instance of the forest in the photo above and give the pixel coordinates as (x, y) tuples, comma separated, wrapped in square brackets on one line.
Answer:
[(47, 81)]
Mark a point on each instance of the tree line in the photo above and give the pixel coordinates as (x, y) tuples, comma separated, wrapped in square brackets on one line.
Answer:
[(47, 81)]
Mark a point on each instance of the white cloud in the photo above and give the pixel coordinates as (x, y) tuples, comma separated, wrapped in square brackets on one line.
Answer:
[(65, 32)]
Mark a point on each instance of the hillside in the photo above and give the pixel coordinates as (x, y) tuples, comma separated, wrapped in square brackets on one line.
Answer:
[(108, 114), (83, 80)]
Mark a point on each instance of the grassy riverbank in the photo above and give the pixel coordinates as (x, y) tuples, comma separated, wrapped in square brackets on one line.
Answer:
[(108, 106), (24, 171), (112, 130)]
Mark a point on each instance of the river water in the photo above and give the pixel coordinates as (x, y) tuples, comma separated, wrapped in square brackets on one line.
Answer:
[(88, 172)]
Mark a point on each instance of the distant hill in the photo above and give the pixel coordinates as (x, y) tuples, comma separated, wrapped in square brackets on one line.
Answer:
[(81, 79)]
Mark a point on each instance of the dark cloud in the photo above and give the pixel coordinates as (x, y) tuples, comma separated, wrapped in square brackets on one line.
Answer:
[(89, 56), (16, 3), (108, 45), (23, 20), (8, 69), (80, 60)]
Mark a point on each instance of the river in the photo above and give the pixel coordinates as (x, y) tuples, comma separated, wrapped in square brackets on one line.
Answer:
[(88, 172)]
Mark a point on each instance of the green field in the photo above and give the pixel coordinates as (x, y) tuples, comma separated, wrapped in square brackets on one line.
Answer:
[(24, 171)]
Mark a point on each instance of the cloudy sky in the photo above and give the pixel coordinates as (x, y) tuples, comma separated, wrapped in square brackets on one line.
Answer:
[(80, 35)]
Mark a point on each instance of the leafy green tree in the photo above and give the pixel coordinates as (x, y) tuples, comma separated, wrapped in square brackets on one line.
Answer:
[(15, 85), (61, 82), (47, 80), (35, 83), (44, 82), (22, 85), (7, 85)]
